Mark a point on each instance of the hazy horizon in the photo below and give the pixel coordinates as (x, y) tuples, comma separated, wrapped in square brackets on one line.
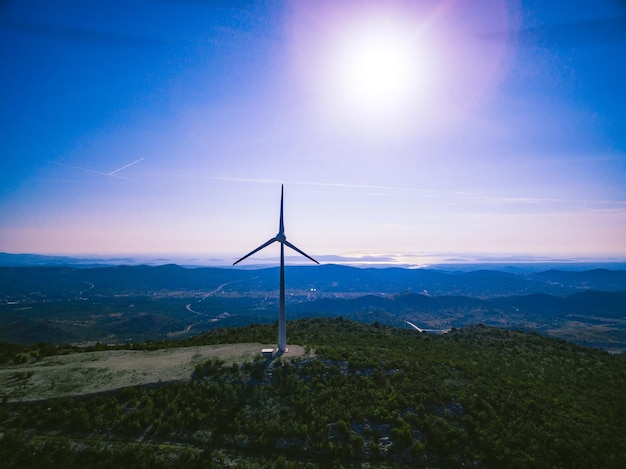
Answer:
[(398, 128), (445, 261)]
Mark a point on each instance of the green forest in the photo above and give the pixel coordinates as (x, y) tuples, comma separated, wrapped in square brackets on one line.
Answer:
[(366, 395)]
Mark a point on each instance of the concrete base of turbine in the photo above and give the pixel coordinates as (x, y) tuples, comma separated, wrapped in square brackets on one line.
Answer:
[(270, 353)]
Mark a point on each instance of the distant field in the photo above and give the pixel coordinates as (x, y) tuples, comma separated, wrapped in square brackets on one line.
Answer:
[(91, 372)]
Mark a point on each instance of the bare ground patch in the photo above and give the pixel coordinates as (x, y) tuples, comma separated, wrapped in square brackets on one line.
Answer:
[(91, 372)]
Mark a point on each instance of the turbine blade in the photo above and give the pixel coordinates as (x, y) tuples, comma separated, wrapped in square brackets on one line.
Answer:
[(299, 251), (256, 250), (281, 226)]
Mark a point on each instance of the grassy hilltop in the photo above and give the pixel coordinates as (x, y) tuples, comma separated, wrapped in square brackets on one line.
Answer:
[(361, 395)]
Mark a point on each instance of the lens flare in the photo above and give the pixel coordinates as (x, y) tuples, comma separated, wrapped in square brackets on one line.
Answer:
[(374, 69), (400, 69)]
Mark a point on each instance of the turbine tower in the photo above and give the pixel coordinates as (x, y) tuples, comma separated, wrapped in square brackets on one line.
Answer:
[(282, 239)]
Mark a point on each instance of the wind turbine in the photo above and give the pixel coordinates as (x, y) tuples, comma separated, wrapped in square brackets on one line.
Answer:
[(282, 239)]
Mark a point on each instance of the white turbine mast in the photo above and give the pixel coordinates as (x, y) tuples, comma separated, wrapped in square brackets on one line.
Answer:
[(282, 239)]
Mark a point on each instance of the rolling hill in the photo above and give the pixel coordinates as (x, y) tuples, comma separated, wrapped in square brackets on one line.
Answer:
[(368, 396)]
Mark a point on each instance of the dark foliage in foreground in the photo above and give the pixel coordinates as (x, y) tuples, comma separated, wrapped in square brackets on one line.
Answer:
[(479, 397)]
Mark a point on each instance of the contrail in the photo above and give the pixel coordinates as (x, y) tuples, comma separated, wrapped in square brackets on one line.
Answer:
[(111, 174), (84, 169), (124, 167)]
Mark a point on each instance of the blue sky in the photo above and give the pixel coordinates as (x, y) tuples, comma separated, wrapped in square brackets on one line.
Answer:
[(409, 131)]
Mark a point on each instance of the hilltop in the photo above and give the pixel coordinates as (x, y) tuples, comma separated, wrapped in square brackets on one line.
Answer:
[(372, 395)]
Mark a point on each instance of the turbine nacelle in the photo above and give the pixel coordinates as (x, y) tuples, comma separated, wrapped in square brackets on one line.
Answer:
[(280, 237)]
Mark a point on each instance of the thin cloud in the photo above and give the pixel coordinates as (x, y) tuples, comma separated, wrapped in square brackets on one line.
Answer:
[(572, 34), (81, 35), (438, 196), (314, 183)]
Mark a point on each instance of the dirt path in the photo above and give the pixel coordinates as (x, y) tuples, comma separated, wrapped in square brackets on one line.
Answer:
[(89, 372)]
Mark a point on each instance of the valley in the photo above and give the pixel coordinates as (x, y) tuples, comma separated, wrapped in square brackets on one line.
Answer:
[(132, 304)]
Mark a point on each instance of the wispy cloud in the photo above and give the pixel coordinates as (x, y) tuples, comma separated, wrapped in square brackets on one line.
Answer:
[(81, 35), (571, 34), (442, 197), (305, 183)]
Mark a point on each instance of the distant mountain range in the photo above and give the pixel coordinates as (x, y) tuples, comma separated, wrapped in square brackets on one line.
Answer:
[(512, 264), (25, 260), (319, 281)]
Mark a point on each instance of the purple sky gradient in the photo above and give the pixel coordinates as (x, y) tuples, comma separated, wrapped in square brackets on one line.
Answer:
[(167, 127)]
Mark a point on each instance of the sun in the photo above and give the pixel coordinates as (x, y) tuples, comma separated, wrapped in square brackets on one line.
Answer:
[(396, 70), (367, 70), (374, 69)]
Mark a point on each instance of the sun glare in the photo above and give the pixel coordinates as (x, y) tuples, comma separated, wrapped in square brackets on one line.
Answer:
[(375, 70), (395, 70), (368, 69)]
